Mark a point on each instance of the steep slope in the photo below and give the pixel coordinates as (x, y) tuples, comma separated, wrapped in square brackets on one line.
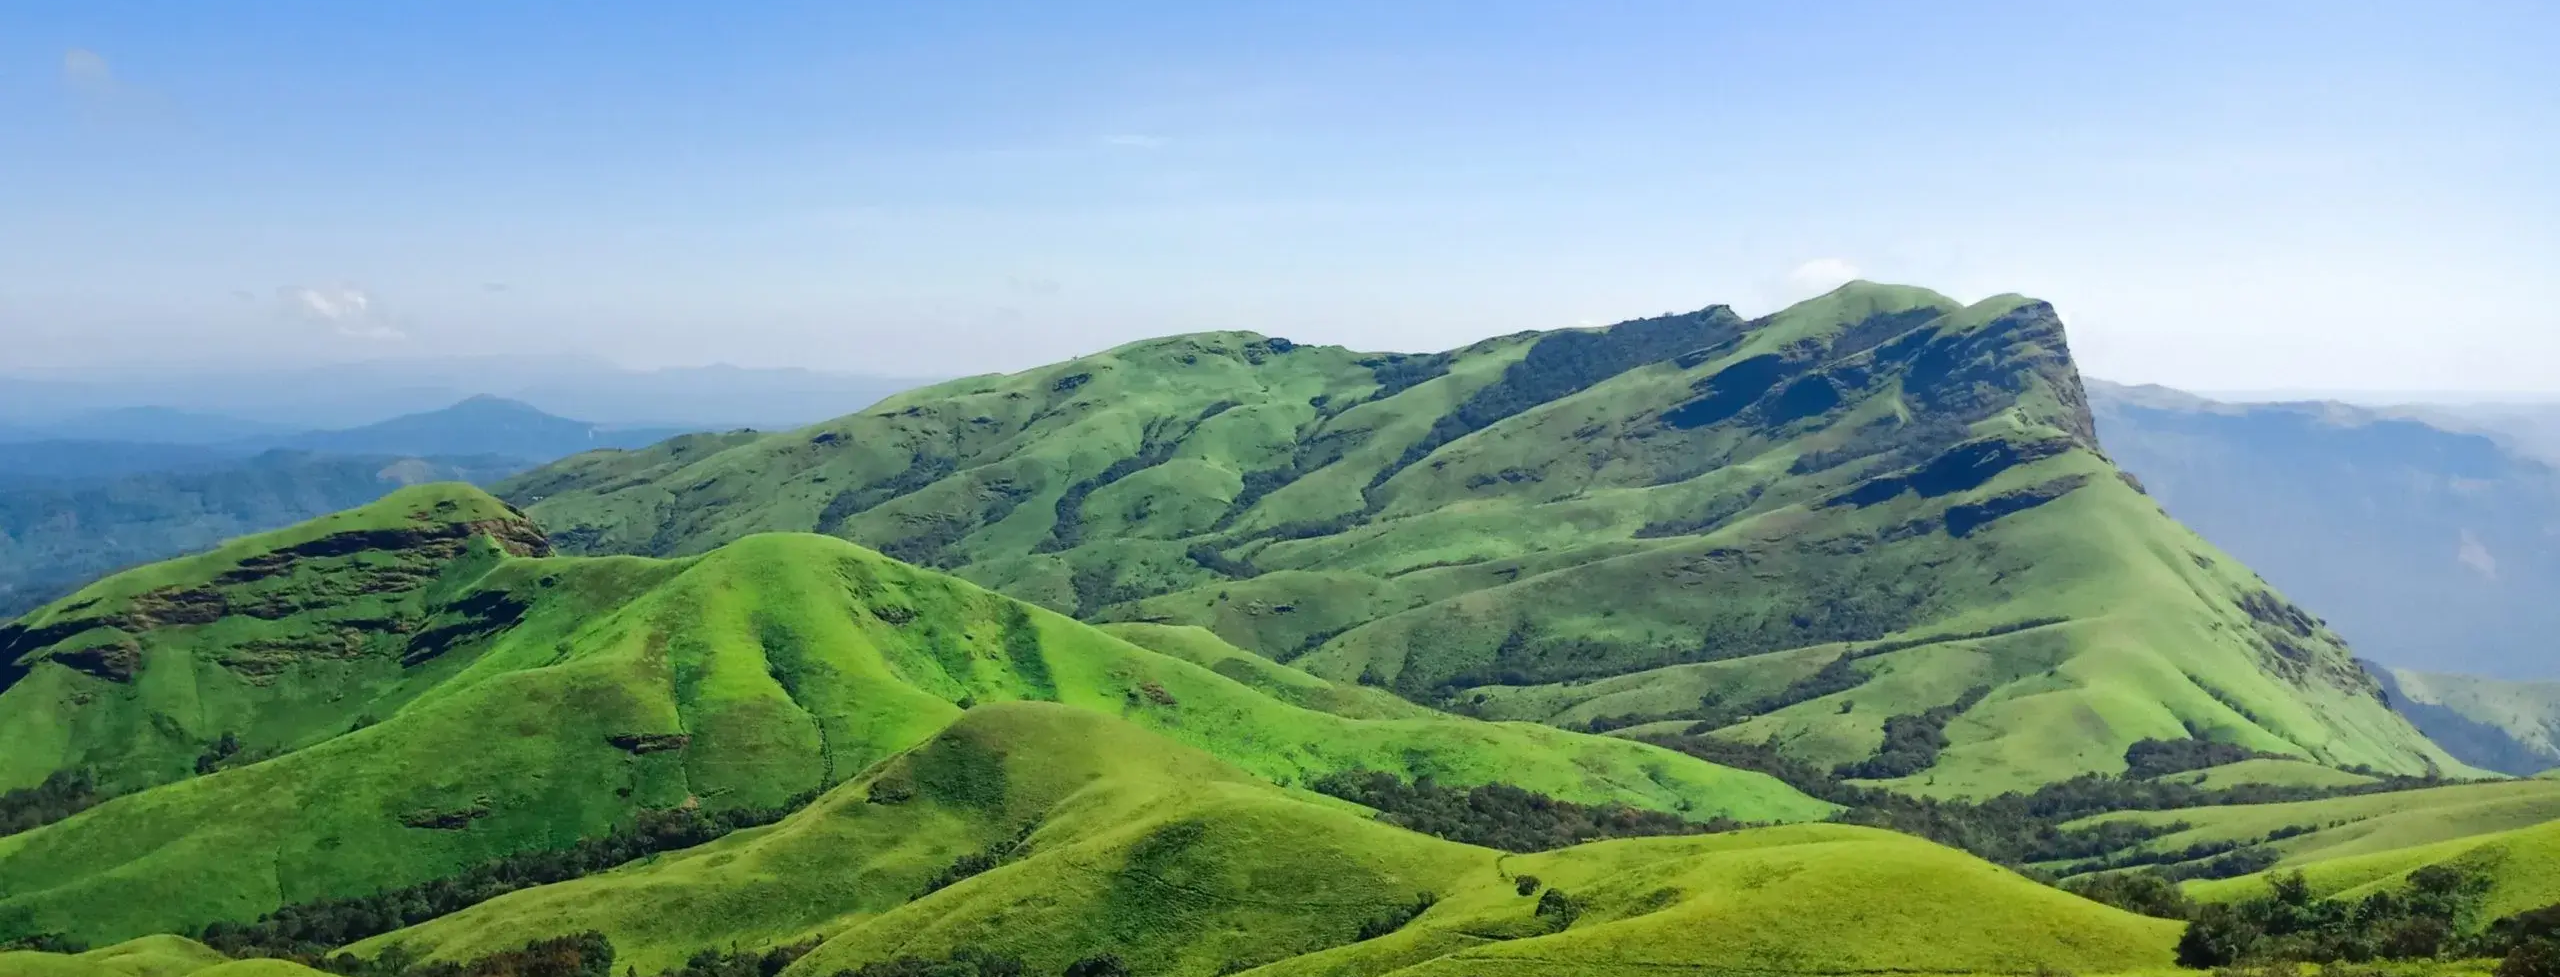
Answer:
[(61, 533), (438, 697), (1100, 837), (1877, 510), (2429, 549), (2511, 727)]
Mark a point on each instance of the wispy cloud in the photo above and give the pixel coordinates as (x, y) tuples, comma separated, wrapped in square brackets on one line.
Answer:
[(104, 95), (346, 309)]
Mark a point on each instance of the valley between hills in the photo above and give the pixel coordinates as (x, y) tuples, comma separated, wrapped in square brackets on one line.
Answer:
[(1832, 641)]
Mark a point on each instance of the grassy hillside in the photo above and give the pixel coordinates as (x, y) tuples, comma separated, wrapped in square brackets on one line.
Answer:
[(498, 702), (2306, 834), (2522, 864), (1103, 837), (149, 956), (1877, 510), (2507, 726)]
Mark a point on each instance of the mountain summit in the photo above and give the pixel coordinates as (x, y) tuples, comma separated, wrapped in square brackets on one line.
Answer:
[(1872, 530)]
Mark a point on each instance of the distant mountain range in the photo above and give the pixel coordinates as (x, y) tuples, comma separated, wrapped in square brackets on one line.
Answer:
[(2432, 550), (127, 442), (71, 510), (219, 407)]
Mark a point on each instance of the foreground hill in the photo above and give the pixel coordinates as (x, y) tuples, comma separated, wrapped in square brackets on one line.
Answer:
[(2429, 549), (1873, 529), (388, 695), (1099, 837)]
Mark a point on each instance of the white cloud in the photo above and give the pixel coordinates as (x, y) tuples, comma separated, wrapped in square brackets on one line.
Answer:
[(345, 308), (1822, 275)]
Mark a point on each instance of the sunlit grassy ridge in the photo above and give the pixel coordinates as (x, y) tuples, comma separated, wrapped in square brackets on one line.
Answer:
[(1113, 839), (1671, 520), (592, 688)]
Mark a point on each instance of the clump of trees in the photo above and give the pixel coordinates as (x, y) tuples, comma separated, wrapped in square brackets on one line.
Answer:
[(1396, 918), (1502, 816), (2158, 758), (1911, 743), (61, 795), (2433, 917)]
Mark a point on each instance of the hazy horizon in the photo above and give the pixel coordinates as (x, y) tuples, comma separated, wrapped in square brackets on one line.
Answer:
[(2281, 196)]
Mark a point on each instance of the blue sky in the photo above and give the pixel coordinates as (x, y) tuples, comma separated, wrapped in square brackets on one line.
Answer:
[(2217, 195)]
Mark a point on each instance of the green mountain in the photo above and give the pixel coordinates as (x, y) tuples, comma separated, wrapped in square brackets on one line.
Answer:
[(56, 535), (1872, 530), (388, 695)]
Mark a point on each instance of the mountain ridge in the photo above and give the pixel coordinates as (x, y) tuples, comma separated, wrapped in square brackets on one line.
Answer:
[(1505, 515)]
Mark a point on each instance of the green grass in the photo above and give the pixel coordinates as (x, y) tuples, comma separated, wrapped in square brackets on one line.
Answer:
[(790, 663), (1116, 839), (1564, 527)]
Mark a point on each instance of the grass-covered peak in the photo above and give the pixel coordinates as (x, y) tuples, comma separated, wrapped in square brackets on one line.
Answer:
[(1822, 528)]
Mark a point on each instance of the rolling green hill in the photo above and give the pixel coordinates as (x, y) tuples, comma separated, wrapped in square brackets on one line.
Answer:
[(1103, 837), (149, 956), (1872, 529), (396, 692)]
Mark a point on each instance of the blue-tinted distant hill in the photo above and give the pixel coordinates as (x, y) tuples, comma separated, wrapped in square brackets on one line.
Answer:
[(58, 534), (2432, 550), (155, 425), (482, 425)]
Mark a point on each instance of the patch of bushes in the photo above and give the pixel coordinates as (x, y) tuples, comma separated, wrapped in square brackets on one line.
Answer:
[(308, 929), (2020, 829), (1501, 816), (61, 795), (2159, 758), (1396, 918), (2426, 920), (1911, 743)]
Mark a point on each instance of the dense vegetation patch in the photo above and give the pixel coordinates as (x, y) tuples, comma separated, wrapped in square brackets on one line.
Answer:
[(1502, 816), (65, 793), (2434, 917), (308, 929), (2020, 830)]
